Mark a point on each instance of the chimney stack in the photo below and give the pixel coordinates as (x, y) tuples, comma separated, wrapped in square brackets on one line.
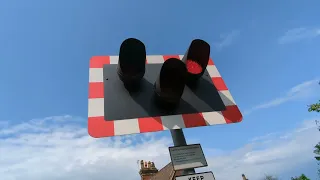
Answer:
[(147, 170), (244, 177)]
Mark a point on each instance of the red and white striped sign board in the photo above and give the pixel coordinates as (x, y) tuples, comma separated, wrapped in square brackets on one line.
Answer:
[(98, 127)]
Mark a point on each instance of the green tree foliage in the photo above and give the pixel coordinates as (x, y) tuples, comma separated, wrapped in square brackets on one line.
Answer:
[(314, 107), (317, 148), (269, 177), (317, 151), (302, 177)]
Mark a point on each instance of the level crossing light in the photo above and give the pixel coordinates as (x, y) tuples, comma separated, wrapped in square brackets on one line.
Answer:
[(170, 83), (196, 59), (131, 65)]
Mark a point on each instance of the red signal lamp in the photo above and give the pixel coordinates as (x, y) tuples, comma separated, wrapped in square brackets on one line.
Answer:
[(196, 60), (193, 67)]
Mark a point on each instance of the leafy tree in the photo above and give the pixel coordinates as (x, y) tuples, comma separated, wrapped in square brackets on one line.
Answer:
[(314, 107), (269, 177), (317, 151), (302, 177), (317, 148)]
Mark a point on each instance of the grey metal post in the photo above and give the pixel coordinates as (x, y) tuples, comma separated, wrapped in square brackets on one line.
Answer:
[(179, 140)]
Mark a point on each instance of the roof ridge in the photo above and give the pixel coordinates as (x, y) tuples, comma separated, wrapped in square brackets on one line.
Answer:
[(165, 166)]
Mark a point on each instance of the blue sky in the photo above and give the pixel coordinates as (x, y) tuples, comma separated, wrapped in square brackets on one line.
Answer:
[(266, 51)]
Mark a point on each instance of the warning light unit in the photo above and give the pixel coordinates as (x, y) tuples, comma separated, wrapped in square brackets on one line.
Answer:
[(136, 93)]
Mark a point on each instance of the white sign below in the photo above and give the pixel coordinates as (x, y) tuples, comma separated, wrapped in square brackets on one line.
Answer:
[(198, 176), (186, 157)]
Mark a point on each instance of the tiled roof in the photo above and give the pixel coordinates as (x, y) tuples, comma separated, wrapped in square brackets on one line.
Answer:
[(166, 173)]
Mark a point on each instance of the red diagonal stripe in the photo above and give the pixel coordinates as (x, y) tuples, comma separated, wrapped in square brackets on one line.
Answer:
[(150, 124), (99, 61), (98, 127), (96, 90), (219, 83), (193, 120), (210, 62), (232, 114), (166, 57)]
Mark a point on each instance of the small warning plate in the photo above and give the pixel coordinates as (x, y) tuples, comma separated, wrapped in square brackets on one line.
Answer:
[(197, 176)]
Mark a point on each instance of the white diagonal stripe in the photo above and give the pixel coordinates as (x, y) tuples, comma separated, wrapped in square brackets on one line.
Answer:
[(155, 59), (213, 71), (213, 118), (96, 75), (227, 98), (114, 59), (96, 107), (126, 126)]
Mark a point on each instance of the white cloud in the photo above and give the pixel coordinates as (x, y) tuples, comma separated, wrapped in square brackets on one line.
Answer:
[(304, 90), (59, 148), (226, 39), (297, 34), (273, 155), (264, 137)]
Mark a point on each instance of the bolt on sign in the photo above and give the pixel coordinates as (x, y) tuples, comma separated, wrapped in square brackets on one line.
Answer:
[(187, 156), (136, 93)]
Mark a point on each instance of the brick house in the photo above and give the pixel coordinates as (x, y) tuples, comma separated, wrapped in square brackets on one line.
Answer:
[(148, 171)]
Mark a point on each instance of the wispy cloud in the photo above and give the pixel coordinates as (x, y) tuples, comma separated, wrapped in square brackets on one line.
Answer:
[(62, 146), (264, 137), (270, 155), (306, 89), (226, 39), (297, 34)]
